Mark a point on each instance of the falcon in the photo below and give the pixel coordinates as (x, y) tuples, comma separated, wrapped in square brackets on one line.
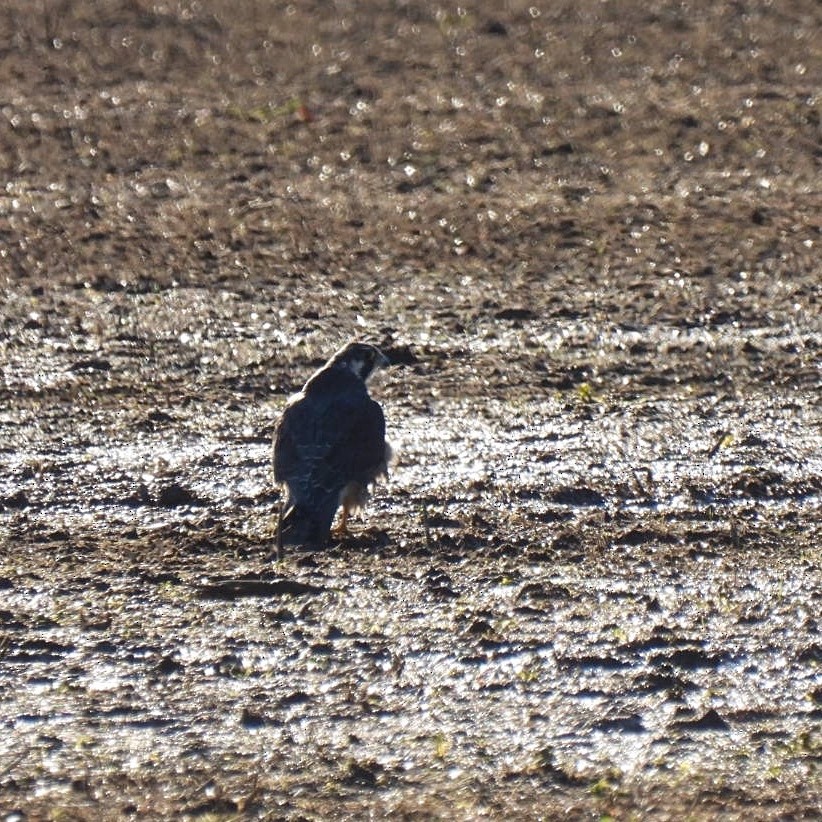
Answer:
[(329, 446)]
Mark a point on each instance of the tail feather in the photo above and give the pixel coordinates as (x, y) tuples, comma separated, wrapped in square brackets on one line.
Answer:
[(303, 526)]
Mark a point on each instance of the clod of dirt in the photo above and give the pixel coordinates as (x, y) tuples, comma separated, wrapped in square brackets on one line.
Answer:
[(175, 496), (15, 501), (365, 774), (168, 665), (400, 354), (91, 364), (711, 721), (546, 763), (578, 496), (541, 591), (515, 314), (254, 719)]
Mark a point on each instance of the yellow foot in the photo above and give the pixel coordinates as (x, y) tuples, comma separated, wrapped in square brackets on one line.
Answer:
[(342, 529)]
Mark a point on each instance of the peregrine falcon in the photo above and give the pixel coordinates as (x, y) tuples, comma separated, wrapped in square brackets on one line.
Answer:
[(329, 446)]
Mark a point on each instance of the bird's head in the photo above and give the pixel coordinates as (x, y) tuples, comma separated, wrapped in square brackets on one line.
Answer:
[(360, 359)]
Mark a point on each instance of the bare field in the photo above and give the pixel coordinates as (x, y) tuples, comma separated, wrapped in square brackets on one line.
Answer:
[(588, 237)]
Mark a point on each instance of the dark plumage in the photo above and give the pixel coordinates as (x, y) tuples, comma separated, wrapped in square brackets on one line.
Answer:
[(330, 446)]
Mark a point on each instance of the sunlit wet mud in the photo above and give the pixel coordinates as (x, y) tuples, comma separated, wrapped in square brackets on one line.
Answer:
[(591, 585), (577, 590)]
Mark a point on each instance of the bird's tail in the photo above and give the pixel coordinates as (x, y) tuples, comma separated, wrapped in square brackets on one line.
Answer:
[(301, 526)]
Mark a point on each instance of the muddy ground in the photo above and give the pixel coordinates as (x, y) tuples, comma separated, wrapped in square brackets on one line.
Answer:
[(587, 235)]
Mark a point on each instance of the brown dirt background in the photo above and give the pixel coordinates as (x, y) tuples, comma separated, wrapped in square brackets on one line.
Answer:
[(588, 235)]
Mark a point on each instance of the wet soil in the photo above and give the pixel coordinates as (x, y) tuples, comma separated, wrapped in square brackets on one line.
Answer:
[(588, 237)]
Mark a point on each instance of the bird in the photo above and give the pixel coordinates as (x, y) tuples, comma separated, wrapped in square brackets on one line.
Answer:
[(329, 447)]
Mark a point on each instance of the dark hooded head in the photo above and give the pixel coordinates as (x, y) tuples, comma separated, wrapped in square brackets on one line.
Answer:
[(361, 359)]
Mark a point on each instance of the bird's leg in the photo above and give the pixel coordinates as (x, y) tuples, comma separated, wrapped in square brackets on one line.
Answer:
[(280, 529), (342, 529)]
